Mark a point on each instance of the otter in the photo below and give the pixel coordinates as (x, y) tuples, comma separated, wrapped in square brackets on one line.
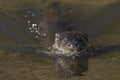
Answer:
[(70, 42)]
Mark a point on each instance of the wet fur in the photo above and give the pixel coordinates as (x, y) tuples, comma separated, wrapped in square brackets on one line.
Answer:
[(81, 39)]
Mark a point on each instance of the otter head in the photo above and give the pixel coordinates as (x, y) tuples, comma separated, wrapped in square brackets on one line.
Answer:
[(71, 42)]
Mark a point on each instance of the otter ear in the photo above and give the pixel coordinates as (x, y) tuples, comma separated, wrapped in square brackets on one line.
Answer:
[(57, 35), (86, 36)]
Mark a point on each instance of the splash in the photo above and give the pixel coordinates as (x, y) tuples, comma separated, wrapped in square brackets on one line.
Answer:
[(32, 19)]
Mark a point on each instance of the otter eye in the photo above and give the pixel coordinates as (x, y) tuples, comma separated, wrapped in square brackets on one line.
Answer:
[(70, 46)]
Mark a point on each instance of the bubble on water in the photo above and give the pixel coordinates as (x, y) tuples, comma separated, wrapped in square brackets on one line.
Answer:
[(35, 24), (44, 34), (30, 28), (25, 16), (36, 31), (28, 22), (34, 27), (36, 36), (31, 31)]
